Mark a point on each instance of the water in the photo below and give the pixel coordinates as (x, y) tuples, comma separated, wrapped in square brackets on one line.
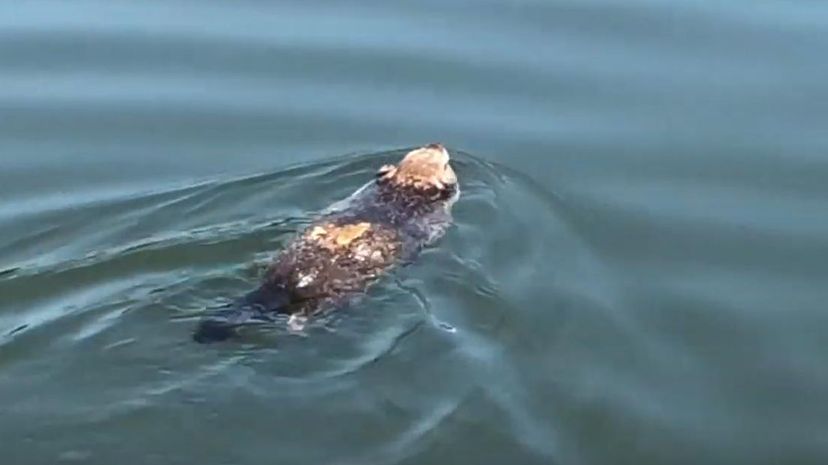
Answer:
[(637, 274)]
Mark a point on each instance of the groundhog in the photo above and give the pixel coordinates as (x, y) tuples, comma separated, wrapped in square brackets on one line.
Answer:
[(350, 245)]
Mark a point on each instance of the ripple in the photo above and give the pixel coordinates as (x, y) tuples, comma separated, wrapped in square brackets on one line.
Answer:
[(638, 279), (129, 303)]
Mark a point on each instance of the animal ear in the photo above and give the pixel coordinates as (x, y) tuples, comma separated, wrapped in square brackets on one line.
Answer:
[(386, 172)]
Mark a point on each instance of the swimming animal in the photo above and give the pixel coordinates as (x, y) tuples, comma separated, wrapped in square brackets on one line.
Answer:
[(350, 245)]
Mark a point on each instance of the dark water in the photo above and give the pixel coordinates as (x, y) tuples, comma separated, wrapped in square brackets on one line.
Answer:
[(637, 274)]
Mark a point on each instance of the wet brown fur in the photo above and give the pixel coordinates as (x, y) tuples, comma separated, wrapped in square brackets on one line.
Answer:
[(328, 261), (347, 249), (341, 254)]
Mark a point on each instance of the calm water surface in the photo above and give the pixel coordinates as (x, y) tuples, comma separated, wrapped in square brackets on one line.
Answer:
[(637, 274)]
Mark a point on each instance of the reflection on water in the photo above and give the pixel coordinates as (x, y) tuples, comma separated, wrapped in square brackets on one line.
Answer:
[(636, 274)]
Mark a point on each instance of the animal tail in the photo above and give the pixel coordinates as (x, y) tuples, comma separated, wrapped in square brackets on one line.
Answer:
[(259, 306)]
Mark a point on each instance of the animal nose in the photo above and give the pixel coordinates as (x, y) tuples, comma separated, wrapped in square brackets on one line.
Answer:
[(435, 146)]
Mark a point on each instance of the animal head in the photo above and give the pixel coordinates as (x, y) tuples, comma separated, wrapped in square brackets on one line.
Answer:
[(427, 167)]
